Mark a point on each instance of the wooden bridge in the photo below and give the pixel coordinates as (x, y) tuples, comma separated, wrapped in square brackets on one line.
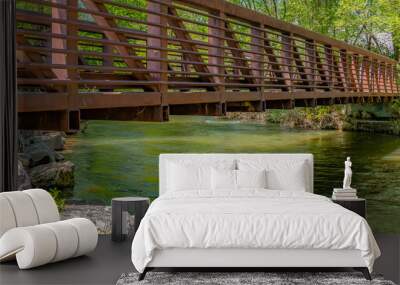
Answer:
[(105, 59)]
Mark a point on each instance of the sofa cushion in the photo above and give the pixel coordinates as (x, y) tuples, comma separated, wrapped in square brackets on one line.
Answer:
[(7, 220), (23, 208), (41, 244), (45, 206)]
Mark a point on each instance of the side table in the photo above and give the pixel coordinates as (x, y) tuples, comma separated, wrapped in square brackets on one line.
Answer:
[(357, 205), (119, 214)]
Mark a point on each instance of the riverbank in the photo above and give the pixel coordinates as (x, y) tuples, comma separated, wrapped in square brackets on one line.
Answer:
[(41, 162), (363, 118)]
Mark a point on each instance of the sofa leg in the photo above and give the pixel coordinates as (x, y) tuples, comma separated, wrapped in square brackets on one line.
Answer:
[(364, 271), (143, 274)]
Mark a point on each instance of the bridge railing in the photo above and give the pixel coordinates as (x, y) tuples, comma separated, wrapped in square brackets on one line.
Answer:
[(90, 58)]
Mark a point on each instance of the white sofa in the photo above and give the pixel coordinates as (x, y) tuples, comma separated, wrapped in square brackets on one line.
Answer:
[(31, 231)]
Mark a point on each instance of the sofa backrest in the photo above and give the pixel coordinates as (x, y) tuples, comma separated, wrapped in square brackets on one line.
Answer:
[(227, 158), (26, 208)]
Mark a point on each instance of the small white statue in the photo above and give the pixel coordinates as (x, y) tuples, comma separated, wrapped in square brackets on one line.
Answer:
[(347, 174)]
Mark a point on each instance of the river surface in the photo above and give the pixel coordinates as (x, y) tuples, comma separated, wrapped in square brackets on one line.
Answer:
[(115, 158)]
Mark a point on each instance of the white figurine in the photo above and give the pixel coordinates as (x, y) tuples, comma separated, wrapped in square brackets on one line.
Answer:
[(347, 174)]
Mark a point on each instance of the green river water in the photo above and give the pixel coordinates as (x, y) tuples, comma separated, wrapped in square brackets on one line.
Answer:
[(115, 158)]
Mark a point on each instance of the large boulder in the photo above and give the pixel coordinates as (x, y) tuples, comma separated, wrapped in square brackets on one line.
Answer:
[(39, 153), (54, 140), (23, 180), (24, 159), (56, 174), (59, 157)]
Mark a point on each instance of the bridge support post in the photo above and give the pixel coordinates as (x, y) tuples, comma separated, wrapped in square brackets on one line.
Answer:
[(157, 45), (72, 113), (216, 33), (74, 119)]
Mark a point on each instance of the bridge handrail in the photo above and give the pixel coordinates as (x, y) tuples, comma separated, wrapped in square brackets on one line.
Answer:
[(215, 50)]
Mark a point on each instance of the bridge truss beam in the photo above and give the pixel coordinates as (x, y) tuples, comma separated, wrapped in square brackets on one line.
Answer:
[(104, 59)]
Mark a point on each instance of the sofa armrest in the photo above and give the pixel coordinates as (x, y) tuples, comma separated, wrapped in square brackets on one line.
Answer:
[(40, 244)]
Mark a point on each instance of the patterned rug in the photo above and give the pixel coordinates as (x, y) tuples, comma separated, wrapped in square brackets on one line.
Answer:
[(244, 278)]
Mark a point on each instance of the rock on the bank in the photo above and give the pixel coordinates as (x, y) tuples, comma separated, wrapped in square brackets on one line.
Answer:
[(55, 174), (39, 153), (23, 180), (54, 140)]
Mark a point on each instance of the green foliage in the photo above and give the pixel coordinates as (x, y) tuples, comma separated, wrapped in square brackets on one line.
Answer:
[(395, 108), (275, 116), (351, 117), (396, 127), (321, 117), (58, 198), (371, 24)]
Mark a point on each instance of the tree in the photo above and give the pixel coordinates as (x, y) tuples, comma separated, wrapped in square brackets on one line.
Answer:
[(371, 24)]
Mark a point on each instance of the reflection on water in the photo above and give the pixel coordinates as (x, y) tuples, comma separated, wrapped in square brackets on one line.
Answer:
[(121, 158)]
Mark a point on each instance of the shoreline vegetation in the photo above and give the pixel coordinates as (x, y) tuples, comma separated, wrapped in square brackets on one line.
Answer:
[(382, 118)]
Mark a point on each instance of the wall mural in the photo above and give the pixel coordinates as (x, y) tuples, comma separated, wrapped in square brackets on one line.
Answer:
[(120, 83)]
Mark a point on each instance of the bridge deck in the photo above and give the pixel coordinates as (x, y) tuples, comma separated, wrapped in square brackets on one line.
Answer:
[(105, 59)]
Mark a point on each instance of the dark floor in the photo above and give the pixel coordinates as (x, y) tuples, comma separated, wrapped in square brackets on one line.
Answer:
[(110, 260), (103, 266)]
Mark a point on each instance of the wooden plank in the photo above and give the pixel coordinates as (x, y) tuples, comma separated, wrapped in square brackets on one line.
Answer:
[(216, 53), (57, 43), (355, 73), (181, 98), (42, 102), (240, 57), (381, 87), (287, 48), (241, 96), (375, 76), (343, 70), (365, 78), (321, 70), (257, 55), (72, 59), (384, 81), (157, 45), (328, 65), (337, 74), (26, 57), (310, 65), (388, 78), (300, 68), (103, 101), (114, 36), (188, 44), (274, 63), (391, 78)]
